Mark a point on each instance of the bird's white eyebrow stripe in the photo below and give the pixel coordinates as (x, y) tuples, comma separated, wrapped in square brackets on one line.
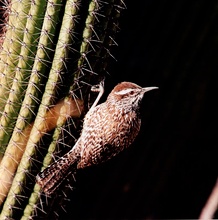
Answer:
[(123, 92)]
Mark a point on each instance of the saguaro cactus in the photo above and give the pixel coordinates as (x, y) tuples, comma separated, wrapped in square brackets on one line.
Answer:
[(51, 52)]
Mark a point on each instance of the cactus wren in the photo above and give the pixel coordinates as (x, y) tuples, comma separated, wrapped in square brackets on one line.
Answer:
[(108, 129)]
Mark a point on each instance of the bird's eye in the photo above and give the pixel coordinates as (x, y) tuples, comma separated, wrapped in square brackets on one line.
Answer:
[(132, 92)]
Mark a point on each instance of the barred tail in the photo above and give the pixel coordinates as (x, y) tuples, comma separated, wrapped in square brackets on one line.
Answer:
[(51, 177)]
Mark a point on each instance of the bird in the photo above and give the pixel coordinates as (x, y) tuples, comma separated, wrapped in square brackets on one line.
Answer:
[(108, 129)]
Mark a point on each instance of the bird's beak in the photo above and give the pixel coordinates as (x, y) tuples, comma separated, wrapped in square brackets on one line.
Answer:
[(146, 89)]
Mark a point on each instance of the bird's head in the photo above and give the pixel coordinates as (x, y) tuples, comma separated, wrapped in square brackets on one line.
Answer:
[(128, 95)]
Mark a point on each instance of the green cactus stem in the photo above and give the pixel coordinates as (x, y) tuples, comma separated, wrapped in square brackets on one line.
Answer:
[(51, 54)]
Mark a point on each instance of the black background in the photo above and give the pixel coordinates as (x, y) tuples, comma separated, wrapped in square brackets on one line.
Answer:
[(171, 168)]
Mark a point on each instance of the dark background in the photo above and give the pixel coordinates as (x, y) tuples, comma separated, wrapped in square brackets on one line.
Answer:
[(171, 168)]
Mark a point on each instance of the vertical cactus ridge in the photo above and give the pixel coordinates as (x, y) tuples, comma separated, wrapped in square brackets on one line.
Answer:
[(60, 49), (58, 65), (39, 127), (99, 33), (22, 70), (84, 48), (88, 30), (10, 49), (109, 26), (15, 147), (65, 39)]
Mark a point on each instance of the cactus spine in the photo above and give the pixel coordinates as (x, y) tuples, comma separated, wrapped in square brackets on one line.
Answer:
[(51, 52)]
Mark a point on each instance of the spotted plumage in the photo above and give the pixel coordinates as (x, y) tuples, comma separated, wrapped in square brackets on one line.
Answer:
[(108, 129)]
